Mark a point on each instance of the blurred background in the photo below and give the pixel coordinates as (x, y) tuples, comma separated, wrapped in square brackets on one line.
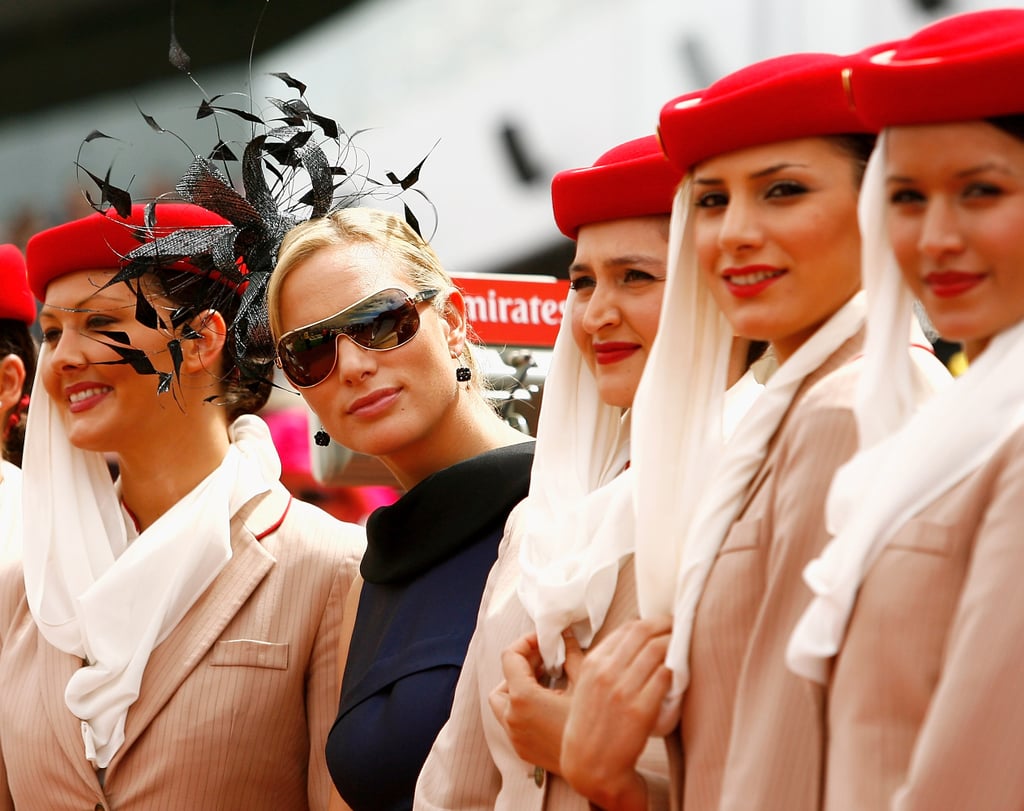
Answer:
[(501, 94), (510, 91)]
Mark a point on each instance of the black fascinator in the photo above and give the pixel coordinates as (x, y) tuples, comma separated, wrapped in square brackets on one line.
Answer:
[(295, 166)]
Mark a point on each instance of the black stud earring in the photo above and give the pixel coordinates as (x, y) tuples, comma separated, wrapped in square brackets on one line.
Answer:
[(463, 374), (322, 438)]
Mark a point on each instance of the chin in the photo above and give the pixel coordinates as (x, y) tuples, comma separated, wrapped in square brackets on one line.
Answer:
[(615, 396), (374, 442), (90, 442), (957, 330)]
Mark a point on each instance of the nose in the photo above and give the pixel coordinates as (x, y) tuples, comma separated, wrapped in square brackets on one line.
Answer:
[(602, 309), (68, 352), (939, 230), (740, 229), (354, 363)]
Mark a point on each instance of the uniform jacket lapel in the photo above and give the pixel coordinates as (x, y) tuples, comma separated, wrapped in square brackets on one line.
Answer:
[(176, 657), (843, 355)]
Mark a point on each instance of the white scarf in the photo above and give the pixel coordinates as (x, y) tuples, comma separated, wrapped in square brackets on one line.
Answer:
[(577, 521), (95, 595), (10, 512), (690, 482), (907, 459)]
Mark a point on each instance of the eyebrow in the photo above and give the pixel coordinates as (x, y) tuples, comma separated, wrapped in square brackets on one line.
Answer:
[(48, 309), (760, 173), (991, 166), (629, 260)]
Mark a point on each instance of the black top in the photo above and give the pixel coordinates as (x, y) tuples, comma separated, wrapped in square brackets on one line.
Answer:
[(426, 562)]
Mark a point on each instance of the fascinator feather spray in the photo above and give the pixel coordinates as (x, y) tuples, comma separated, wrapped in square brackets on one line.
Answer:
[(296, 165)]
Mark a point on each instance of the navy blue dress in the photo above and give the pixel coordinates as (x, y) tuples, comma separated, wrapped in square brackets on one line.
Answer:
[(427, 559)]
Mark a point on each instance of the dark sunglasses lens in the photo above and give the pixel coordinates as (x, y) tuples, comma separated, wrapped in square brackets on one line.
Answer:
[(388, 329), (384, 321), (309, 358)]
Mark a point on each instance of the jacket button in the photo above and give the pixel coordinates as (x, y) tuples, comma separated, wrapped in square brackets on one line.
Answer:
[(99, 807), (538, 776)]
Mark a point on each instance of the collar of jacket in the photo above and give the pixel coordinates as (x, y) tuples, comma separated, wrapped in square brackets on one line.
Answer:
[(445, 513)]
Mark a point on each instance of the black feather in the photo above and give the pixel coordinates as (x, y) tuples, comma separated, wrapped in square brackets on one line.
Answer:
[(294, 84), (299, 166)]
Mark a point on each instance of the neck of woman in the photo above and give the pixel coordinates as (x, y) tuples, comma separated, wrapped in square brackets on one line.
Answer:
[(470, 429), (173, 465)]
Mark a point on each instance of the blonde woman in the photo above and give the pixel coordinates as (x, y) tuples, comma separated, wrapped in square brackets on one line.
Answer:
[(373, 333)]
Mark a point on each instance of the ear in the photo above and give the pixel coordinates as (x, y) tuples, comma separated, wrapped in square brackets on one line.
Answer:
[(203, 349), (454, 319), (12, 379)]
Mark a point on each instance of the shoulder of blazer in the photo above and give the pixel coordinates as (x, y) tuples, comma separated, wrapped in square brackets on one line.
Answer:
[(292, 529)]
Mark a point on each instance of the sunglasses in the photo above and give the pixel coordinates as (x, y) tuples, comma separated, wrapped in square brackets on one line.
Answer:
[(381, 321)]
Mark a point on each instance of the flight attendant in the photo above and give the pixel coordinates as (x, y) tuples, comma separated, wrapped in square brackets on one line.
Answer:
[(566, 558), (767, 247), (17, 369), (917, 615)]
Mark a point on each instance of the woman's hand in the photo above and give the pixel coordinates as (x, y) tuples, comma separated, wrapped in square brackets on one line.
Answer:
[(615, 704), (532, 715)]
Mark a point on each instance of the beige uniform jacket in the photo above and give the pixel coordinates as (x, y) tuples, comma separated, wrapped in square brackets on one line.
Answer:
[(752, 731), (472, 764), (926, 709), (235, 703)]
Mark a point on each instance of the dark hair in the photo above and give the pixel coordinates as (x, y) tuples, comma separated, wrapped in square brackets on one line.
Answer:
[(1010, 124), (15, 339), (192, 294), (858, 147)]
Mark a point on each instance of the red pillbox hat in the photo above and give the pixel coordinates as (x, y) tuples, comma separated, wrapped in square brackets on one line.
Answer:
[(15, 298), (630, 180), (100, 241), (964, 67), (780, 99)]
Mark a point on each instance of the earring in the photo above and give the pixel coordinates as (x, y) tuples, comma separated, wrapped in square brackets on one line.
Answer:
[(322, 438), (463, 374)]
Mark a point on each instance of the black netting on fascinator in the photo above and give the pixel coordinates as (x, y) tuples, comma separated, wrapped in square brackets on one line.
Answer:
[(295, 165)]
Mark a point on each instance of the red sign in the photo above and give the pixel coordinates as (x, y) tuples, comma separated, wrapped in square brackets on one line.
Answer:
[(520, 310)]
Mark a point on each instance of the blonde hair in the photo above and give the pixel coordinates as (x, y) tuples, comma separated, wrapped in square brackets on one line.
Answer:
[(374, 227)]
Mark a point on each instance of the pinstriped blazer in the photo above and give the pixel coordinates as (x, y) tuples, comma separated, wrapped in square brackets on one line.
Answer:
[(926, 709), (235, 704), (472, 765), (753, 732)]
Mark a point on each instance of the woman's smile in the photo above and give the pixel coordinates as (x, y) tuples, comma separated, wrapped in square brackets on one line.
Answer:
[(746, 282)]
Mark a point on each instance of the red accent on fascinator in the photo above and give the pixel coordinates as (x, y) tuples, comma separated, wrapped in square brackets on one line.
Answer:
[(961, 68), (630, 180), (101, 241), (793, 96), (15, 297)]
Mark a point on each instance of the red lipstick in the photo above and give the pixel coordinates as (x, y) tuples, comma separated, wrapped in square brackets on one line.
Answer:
[(952, 283), (83, 396), (608, 352), (751, 280)]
